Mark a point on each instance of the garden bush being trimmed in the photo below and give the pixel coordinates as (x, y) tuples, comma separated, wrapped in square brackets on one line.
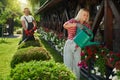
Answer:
[(33, 43), (28, 54), (19, 31), (41, 70)]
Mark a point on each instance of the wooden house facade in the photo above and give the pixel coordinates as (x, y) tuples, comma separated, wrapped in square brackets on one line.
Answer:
[(104, 16)]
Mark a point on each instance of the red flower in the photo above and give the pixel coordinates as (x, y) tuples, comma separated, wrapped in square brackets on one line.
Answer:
[(89, 51), (118, 54)]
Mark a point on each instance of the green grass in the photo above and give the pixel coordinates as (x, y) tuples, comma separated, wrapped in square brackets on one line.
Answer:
[(55, 55), (8, 47)]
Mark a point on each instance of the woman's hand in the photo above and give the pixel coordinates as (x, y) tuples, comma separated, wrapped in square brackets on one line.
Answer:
[(69, 25)]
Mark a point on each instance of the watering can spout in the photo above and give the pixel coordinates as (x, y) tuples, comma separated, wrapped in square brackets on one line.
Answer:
[(89, 43)]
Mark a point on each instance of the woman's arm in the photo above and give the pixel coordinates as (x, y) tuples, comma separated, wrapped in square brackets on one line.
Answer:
[(69, 25)]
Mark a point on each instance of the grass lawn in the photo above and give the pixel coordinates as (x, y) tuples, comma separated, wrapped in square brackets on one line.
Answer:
[(7, 49)]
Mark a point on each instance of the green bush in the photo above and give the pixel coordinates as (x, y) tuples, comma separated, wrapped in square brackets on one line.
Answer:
[(19, 31), (26, 44), (41, 70), (28, 54)]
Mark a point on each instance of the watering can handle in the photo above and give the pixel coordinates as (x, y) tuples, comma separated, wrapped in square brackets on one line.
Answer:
[(88, 31), (85, 29)]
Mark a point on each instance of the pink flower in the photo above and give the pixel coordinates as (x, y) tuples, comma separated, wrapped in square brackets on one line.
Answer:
[(60, 36), (82, 54), (111, 59), (82, 64)]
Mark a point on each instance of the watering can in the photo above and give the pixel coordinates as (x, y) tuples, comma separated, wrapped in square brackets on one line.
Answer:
[(84, 36)]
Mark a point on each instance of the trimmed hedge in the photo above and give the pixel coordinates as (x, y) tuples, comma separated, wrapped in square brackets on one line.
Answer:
[(41, 70), (28, 54), (26, 44), (19, 31)]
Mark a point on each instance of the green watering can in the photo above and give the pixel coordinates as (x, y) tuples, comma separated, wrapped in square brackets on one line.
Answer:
[(84, 36)]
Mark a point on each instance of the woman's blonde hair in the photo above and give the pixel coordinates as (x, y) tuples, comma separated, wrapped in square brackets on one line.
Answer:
[(79, 16)]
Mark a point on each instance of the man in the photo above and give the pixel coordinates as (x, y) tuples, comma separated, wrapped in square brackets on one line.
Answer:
[(29, 25)]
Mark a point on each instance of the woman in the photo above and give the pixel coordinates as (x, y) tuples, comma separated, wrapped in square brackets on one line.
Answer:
[(71, 51), (28, 24)]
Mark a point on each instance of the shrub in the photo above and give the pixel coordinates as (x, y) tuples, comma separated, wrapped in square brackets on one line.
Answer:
[(28, 54), (26, 44), (19, 31), (41, 70)]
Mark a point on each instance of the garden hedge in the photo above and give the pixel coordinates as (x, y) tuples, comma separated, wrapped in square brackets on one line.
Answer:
[(41, 70), (33, 43), (28, 54)]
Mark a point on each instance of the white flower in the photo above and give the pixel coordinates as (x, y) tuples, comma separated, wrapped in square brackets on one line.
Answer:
[(98, 73), (108, 54), (92, 71), (110, 77), (96, 56), (102, 50), (62, 48), (85, 56), (104, 76), (115, 78), (96, 69), (115, 70)]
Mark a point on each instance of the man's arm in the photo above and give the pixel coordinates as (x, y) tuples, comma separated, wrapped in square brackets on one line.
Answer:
[(34, 23), (23, 25)]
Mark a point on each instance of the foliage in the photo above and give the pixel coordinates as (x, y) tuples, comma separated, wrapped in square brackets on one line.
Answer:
[(9, 9), (33, 43), (118, 74), (35, 6), (4, 16), (41, 70), (19, 31), (28, 54), (17, 22)]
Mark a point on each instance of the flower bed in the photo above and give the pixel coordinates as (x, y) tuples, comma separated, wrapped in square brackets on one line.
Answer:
[(101, 57), (55, 40)]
